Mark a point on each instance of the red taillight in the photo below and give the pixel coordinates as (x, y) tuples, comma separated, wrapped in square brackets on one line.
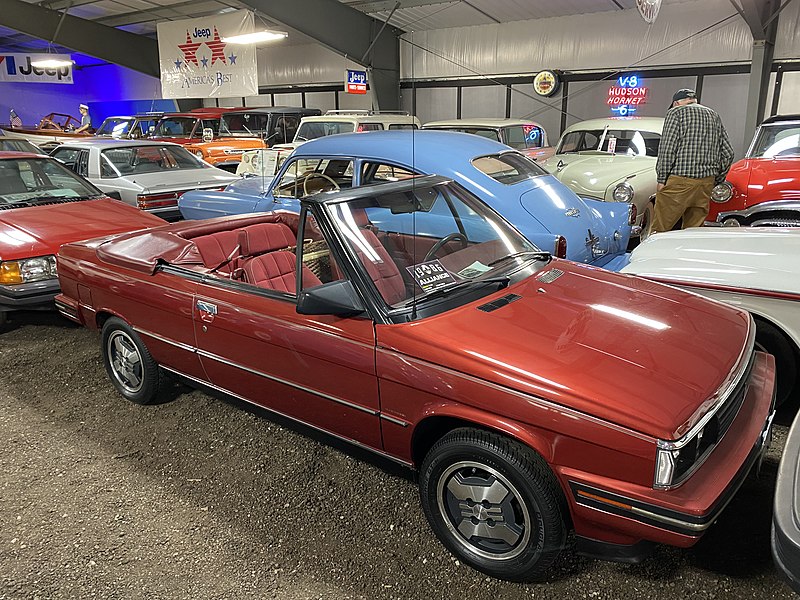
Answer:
[(147, 201), (632, 214), (561, 247)]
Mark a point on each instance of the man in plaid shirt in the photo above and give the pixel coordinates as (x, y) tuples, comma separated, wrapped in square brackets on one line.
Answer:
[(693, 156)]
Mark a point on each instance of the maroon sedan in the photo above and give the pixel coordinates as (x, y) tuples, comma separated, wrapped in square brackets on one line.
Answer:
[(532, 394), (43, 205)]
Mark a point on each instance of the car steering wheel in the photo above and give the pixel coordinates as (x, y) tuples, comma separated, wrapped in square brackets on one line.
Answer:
[(322, 176), (445, 240)]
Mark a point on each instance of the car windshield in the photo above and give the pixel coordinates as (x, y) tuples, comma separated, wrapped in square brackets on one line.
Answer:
[(777, 140), (429, 241), (311, 130), (10, 145), (26, 180), (114, 127), (244, 123), (508, 168), (631, 142), (486, 132), (135, 160)]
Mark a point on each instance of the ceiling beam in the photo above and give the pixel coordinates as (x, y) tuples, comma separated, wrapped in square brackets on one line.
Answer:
[(373, 6), (348, 32), (81, 35)]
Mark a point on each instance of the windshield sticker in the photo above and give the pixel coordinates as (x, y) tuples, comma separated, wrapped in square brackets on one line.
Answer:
[(473, 270), (430, 275)]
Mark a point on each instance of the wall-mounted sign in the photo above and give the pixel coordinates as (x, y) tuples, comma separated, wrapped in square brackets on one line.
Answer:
[(546, 83), (196, 63), (17, 67), (648, 9), (356, 82), (626, 95)]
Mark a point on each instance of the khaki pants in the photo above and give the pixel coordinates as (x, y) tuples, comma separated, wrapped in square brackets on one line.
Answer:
[(682, 197)]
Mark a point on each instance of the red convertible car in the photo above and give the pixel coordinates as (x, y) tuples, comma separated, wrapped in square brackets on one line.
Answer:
[(764, 187), (43, 205), (531, 394)]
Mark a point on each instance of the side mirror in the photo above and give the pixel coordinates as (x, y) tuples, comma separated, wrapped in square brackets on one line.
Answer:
[(335, 298), (208, 134), (115, 195)]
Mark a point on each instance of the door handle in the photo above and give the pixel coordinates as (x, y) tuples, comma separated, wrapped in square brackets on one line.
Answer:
[(206, 310)]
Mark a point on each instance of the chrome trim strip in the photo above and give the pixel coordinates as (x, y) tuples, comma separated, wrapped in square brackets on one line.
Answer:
[(180, 345), (295, 419), (87, 307), (297, 386), (541, 402), (394, 420), (769, 206)]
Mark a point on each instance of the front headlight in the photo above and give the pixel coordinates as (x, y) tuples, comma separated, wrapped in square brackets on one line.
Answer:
[(623, 192), (198, 153), (722, 192), (41, 268)]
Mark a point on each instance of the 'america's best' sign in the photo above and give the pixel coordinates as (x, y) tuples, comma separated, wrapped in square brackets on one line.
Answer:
[(356, 82)]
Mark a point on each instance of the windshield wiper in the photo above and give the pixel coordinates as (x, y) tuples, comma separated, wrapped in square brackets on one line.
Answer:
[(504, 280), (540, 254), (300, 138)]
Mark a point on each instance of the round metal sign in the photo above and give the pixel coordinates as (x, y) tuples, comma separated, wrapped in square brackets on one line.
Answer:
[(648, 9), (546, 83)]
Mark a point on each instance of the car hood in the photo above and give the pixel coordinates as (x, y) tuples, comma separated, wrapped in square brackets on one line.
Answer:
[(591, 173), (618, 348), (182, 179), (761, 258), (42, 230)]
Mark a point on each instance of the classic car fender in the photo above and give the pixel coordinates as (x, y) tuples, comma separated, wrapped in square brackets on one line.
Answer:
[(205, 204)]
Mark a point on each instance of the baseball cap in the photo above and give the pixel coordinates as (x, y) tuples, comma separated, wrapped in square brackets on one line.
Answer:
[(83, 106), (683, 94)]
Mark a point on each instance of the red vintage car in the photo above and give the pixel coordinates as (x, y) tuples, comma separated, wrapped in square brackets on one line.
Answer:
[(764, 187), (531, 394), (43, 205)]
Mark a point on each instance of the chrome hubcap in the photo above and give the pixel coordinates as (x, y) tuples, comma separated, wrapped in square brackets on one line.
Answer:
[(126, 363), (483, 510)]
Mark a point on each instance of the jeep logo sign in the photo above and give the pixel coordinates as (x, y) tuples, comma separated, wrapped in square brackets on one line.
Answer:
[(18, 67)]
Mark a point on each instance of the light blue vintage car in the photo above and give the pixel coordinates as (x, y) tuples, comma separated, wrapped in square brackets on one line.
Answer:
[(541, 207)]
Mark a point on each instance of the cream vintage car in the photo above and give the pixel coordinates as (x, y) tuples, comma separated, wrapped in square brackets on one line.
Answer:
[(528, 137), (752, 268), (611, 159)]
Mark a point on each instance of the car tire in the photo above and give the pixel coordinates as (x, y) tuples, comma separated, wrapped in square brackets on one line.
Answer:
[(128, 363), (647, 220), (522, 510), (770, 339)]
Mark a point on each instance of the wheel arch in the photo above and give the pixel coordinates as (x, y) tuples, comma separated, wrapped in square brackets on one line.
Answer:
[(791, 339)]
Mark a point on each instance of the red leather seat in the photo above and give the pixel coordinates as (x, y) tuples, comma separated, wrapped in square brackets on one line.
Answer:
[(216, 248), (381, 268), (267, 263)]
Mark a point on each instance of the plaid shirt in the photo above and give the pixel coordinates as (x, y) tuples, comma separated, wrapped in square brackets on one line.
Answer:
[(693, 144)]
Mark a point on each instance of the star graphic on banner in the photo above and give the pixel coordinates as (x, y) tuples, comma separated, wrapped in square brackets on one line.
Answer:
[(232, 56), (189, 49), (204, 60), (217, 47), (178, 63)]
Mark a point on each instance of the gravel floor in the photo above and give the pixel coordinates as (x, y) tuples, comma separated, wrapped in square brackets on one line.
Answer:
[(201, 498)]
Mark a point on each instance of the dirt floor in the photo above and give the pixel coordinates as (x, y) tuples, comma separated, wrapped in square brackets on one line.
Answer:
[(201, 498)]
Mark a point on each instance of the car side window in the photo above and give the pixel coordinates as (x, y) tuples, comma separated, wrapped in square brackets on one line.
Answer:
[(393, 126), (68, 156), (82, 163), (369, 127), (309, 176), (375, 172)]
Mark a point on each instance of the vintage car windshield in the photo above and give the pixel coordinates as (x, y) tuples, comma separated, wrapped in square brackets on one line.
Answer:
[(135, 160), (311, 130), (508, 168), (24, 180), (183, 127), (114, 127), (429, 241), (777, 140), (12, 145), (489, 133), (631, 142), (244, 124)]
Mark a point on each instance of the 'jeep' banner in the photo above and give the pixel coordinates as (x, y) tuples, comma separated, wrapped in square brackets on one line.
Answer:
[(17, 67), (196, 63)]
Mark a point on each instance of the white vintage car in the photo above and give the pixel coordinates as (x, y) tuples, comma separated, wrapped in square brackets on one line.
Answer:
[(528, 137), (611, 159), (752, 268)]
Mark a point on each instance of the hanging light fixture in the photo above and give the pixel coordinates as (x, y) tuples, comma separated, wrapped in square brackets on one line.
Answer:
[(50, 61), (256, 37)]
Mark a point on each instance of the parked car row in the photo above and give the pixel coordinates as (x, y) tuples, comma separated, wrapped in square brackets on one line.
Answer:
[(411, 293)]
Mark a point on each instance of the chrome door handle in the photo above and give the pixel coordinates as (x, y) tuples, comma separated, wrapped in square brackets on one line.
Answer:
[(206, 307)]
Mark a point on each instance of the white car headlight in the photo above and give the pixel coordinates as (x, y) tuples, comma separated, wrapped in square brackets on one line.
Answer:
[(26, 270), (623, 192), (198, 153), (722, 192)]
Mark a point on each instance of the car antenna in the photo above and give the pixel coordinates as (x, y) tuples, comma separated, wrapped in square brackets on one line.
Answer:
[(413, 186)]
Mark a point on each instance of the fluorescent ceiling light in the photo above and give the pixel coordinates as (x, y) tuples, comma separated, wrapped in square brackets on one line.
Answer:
[(256, 37), (51, 63)]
